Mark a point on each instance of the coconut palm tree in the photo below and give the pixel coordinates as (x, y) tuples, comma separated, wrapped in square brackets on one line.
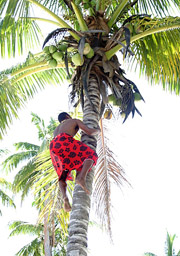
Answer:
[(169, 250), (87, 37)]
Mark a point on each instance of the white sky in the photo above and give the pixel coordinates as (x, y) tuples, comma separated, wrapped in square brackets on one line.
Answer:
[(148, 148)]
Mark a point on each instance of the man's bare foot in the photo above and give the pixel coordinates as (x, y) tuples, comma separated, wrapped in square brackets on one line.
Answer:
[(67, 206), (82, 183)]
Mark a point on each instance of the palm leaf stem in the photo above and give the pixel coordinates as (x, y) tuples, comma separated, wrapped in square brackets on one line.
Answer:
[(61, 65), (153, 31), (60, 21), (32, 66), (100, 5), (117, 12), (79, 17), (116, 48), (43, 20)]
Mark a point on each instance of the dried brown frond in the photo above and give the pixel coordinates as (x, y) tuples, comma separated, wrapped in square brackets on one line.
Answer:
[(108, 172)]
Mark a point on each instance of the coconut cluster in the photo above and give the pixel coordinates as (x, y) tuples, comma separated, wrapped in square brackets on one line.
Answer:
[(55, 54)]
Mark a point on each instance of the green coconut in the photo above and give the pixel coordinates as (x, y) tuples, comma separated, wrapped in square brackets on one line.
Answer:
[(62, 47), (112, 99), (123, 115), (90, 54), (52, 49), (76, 59), (86, 5), (87, 48), (71, 49), (48, 57), (77, 2), (137, 96), (57, 56), (52, 63), (46, 49)]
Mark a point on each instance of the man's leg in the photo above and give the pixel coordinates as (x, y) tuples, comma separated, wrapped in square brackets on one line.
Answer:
[(63, 185), (81, 175)]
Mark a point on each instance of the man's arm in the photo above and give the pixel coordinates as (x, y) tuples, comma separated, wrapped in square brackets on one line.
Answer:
[(86, 129)]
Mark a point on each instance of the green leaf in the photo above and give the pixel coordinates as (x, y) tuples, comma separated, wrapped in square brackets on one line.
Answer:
[(117, 12), (22, 227), (6, 200), (21, 83), (14, 160), (158, 7), (16, 36)]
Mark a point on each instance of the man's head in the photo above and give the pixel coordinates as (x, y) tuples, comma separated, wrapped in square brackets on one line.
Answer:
[(63, 116)]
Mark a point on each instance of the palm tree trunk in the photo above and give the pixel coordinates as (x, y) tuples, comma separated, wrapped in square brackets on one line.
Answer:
[(47, 246), (79, 219)]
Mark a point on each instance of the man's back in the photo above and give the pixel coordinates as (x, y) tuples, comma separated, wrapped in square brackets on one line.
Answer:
[(69, 126)]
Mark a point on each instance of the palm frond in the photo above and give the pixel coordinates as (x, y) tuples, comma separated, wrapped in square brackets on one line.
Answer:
[(108, 171), (14, 8), (4, 183), (19, 84), (158, 54), (4, 152), (22, 227), (6, 200), (23, 180), (14, 160), (40, 125), (35, 247), (46, 176), (26, 146), (169, 251), (52, 125), (17, 36), (49, 199), (159, 7)]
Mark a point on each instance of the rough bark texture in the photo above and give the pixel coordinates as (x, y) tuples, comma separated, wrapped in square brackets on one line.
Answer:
[(47, 246), (79, 219)]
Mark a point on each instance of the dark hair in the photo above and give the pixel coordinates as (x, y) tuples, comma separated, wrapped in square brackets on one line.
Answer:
[(62, 116)]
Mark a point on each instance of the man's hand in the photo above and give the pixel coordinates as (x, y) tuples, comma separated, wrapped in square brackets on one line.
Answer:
[(86, 129), (96, 131)]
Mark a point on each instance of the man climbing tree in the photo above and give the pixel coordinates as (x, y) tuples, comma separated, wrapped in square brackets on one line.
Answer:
[(68, 154)]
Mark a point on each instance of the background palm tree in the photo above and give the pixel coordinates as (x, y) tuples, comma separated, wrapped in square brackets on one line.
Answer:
[(169, 251), (106, 28), (36, 246), (28, 178)]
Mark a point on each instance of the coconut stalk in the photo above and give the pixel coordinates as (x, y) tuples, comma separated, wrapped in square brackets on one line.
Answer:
[(79, 17), (117, 12), (61, 22)]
